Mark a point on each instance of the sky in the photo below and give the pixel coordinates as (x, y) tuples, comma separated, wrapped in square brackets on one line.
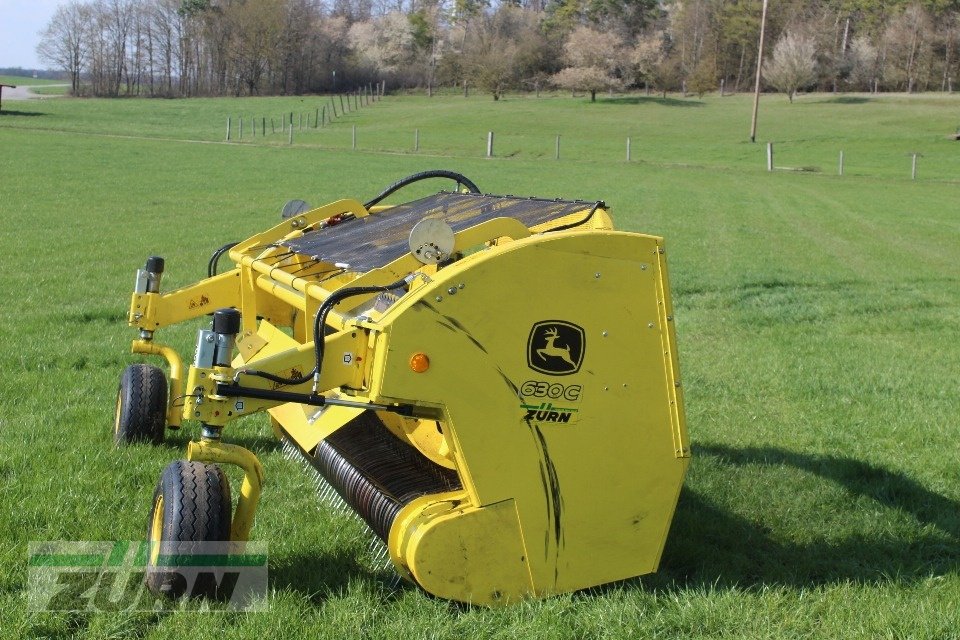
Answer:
[(20, 25)]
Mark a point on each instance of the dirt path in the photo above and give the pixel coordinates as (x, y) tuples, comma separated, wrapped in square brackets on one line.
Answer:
[(24, 92)]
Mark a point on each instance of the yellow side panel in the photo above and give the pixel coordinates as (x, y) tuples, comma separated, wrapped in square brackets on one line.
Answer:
[(472, 555), (588, 456)]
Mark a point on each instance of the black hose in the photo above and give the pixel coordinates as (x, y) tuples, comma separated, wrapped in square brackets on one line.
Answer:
[(596, 205), (215, 258), (335, 298), (424, 175), (319, 322)]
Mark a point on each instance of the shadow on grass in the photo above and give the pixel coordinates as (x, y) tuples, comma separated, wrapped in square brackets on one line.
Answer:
[(666, 102), (14, 112), (317, 577), (846, 100), (709, 546)]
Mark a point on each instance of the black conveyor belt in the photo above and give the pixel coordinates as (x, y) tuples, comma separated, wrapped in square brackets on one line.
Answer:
[(378, 239)]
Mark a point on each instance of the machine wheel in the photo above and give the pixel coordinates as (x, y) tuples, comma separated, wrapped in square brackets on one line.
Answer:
[(190, 504), (141, 405)]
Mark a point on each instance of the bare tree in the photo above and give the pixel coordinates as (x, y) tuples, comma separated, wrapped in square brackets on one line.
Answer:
[(594, 59), (906, 41), (255, 32), (490, 48), (63, 41), (653, 62), (794, 64), (864, 63)]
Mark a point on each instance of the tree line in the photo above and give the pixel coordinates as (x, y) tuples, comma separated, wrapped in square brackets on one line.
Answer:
[(176, 48)]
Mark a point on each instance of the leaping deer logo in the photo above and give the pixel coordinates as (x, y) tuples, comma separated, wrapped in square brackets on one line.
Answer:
[(551, 350), (556, 347)]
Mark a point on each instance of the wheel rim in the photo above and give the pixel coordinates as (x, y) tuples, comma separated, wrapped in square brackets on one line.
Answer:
[(116, 418), (156, 530)]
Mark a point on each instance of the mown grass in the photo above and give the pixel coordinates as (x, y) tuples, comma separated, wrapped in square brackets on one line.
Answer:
[(877, 134), (24, 80), (817, 324)]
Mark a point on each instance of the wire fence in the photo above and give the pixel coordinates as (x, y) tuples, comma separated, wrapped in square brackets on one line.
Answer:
[(328, 126)]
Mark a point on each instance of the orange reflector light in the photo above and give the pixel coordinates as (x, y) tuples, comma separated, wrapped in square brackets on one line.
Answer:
[(419, 362)]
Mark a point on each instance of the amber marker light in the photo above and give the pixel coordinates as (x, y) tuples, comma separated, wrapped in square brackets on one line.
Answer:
[(419, 362)]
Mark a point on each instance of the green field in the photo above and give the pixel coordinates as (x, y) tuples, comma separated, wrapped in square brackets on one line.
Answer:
[(23, 80), (817, 321)]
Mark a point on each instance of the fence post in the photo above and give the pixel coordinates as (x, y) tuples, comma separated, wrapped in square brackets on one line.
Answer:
[(240, 128), (290, 140), (489, 144), (273, 127), (557, 154), (416, 139), (769, 156), (342, 110), (228, 128), (354, 137), (316, 119), (841, 163), (722, 90), (628, 149), (913, 166), (253, 121)]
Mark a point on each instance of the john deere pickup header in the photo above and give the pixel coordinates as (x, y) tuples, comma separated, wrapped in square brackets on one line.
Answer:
[(490, 382)]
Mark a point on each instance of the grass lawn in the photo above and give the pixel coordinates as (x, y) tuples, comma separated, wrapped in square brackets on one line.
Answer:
[(33, 82), (817, 323), (55, 90)]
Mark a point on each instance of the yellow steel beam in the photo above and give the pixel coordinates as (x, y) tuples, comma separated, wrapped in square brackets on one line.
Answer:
[(219, 452)]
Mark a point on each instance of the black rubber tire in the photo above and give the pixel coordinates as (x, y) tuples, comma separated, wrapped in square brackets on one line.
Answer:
[(195, 508), (141, 405)]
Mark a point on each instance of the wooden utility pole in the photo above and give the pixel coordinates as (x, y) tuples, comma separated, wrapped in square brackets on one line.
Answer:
[(756, 89)]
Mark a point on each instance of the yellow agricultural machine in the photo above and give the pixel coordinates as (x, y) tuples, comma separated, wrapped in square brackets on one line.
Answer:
[(489, 382)]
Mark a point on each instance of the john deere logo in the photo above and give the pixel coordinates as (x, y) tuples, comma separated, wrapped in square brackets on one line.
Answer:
[(555, 347)]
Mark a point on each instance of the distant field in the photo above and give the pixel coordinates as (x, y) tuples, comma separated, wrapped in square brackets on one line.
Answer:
[(876, 134), (55, 90), (817, 319), (33, 82)]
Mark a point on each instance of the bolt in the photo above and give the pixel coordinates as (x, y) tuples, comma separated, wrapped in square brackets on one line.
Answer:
[(650, 325), (597, 275), (643, 267), (604, 334), (210, 338), (606, 388), (452, 291), (438, 298), (669, 318), (660, 250), (461, 285), (677, 384)]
